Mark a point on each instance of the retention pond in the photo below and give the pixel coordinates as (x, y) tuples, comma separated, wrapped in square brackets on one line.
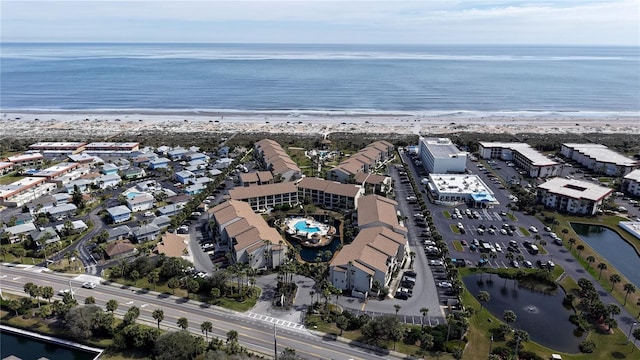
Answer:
[(541, 315)]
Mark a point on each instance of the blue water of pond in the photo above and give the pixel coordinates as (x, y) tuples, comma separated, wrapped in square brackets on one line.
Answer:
[(613, 248), (28, 348), (541, 315)]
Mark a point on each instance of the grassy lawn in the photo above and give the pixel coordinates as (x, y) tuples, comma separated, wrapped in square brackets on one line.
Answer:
[(612, 223), (512, 217), (607, 346), (455, 229), (447, 215), (458, 246), (524, 231)]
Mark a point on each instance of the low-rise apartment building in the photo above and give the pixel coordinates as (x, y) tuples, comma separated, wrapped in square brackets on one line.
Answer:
[(523, 156), (364, 161), (631, 183), (599, 158), (572, 196), (273, 157), (330, 194), (263, 197), (24, 190)]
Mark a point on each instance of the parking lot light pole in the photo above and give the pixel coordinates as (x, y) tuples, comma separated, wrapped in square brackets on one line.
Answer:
[(630, 329)]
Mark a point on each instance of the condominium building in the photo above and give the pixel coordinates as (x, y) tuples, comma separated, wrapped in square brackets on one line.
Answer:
[(599, 158), (58, 148), (245, 235), (364, 161), (273, 157), (264, 197), (572, 196), (111, 148), (441, 156), (631, 183), (26, 159), (523, 156), (24, 190), (330, 194)]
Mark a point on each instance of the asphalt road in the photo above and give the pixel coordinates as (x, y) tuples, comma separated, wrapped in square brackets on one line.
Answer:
[(256, 332)]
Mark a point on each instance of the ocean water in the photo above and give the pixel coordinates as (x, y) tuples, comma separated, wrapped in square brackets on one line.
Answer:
[(345, 78)]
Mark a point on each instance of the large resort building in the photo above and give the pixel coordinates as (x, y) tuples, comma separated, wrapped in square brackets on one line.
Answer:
[(523, 155), (572, 196), (377, 251), (245, 235), (273, 157), (599, 158), (364, 161), (441, 156), (330, 194)]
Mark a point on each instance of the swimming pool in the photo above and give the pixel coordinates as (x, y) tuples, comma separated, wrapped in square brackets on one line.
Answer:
[(133, 194), (302, 226)]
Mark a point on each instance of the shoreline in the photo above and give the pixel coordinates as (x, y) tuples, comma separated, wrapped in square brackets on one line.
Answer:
[(32, 123)]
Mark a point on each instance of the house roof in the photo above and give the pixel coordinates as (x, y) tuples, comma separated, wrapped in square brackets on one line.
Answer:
[(329, 187), (141, 199), (119, 231), (171, 245), (118, 210), (576, 189), (376, 209), (118, 248), (150, 228)]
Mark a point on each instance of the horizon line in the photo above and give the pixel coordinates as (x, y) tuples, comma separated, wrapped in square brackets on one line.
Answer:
[(317, 43)]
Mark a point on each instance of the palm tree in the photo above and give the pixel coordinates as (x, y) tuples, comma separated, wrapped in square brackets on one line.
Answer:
[(183, 323), (572, 242), (509, 317), (580, 248), (158, 315), (629, 288), (601, 266), (232, 336), (483, 297), (112, 305), (206, 327), (397, 307), (564, 232), (424, 312), (153, 278), (614, 278), (590, 259)]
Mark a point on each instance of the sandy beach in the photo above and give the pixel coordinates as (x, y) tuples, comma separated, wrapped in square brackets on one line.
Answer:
[(34, 124)]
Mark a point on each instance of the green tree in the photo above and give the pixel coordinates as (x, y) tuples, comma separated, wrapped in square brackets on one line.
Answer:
[(177, 345), (397, 307), (509, 316), (601, 266), (183, 323), (614, 278), (153, 278), (232, 336), (572, 241), (342, 322), (424, 311), (79, 321), (90, 300), (191, 286), (580, 249), (206, 327), (112, 305), (629, 288), (19, 252), (590, 260), (483, 297), (173, 284), (14, 305), (158, 315)]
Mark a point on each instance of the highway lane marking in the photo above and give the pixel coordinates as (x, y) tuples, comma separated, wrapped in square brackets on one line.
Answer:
[(364, 304), (17, 278), (3, 276), (129, 303), (144, 305)]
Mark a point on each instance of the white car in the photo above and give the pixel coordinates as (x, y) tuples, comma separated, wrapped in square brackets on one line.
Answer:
[(89, 285), (533, 229), (436, 262), (65, 291), (498, 247), (503, 231), (445, 284)]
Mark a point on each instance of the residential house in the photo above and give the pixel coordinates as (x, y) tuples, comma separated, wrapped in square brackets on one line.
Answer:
[(108, 181), (194, 189), (133, 173), (62, 212), (62, 198), (120, 249), (145, 232), (171, 209), (109, 169), (18, 232), (223, 163), (159, 163), (44, 236), (122, 232), (140, 202), (78, 226), (192, 156), (42, 204), (161, 221), (83, 186), (119, 214), (171, 245), (177, 153), (185, 177)]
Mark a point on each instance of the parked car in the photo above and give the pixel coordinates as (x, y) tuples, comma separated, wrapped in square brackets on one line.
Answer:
[(515, 264), (445, 284)]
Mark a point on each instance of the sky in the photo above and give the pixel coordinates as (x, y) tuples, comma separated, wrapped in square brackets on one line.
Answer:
[(578, 22)]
